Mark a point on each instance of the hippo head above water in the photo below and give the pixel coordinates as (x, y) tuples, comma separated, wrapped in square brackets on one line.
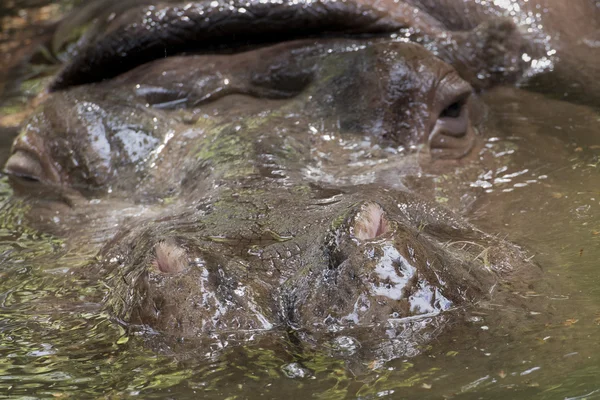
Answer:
[(395, 93), (252, 179)]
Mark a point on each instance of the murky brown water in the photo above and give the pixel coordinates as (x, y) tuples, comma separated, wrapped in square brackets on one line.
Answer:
[(537, 183)]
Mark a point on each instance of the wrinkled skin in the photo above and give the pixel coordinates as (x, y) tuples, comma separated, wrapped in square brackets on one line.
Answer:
[(225, 192)]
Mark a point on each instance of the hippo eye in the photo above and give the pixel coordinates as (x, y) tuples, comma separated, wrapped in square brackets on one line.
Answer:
[(454, 119), (451, 135), (454, 110), (24, 165)]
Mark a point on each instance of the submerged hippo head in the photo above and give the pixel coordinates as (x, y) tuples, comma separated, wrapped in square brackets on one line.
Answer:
[(260, 211)]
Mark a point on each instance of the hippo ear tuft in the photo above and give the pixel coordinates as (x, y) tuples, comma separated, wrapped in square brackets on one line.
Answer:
[(169, 258), (370, 222)]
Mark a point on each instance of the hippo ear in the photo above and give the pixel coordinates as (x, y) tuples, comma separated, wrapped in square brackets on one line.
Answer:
[(370, 222), (169, 257)]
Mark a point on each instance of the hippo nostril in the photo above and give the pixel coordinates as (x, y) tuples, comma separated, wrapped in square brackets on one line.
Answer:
[(169, 258), (370, 222)]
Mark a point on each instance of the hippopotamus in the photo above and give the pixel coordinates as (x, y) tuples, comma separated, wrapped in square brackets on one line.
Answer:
[(245, 167)]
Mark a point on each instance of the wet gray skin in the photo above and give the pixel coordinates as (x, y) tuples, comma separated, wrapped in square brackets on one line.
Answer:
[(229, 194)]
